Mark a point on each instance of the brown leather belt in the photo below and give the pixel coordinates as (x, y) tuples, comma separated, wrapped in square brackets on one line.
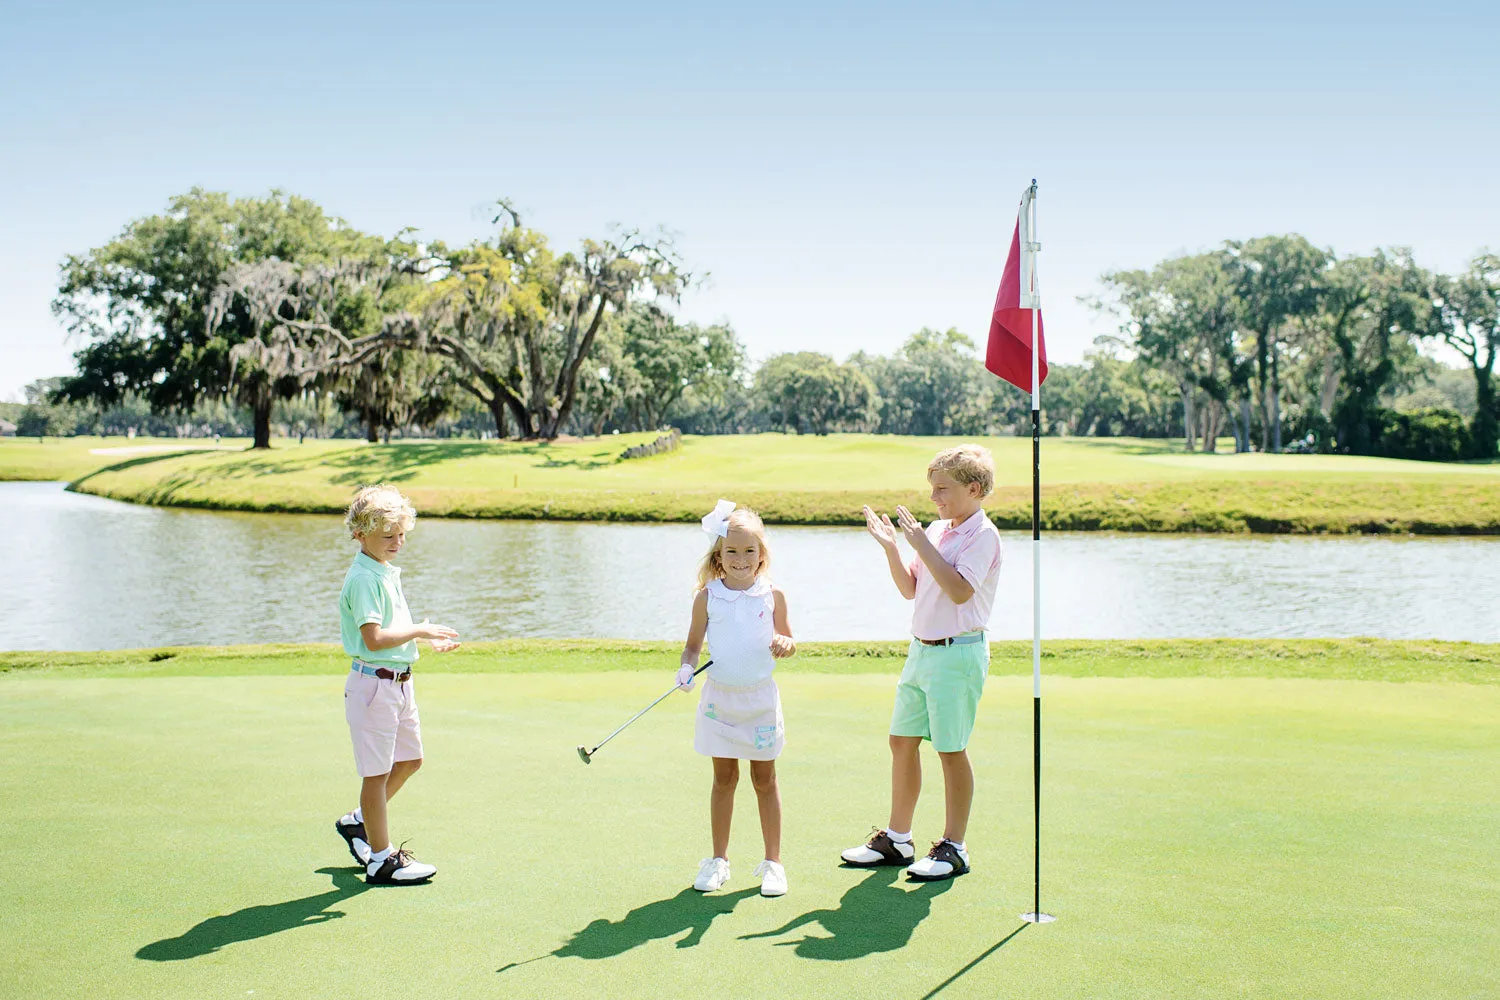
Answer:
[(954, 640), (384, 673)]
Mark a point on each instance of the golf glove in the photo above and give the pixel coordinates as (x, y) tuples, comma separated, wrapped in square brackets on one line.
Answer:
[(685, 677)]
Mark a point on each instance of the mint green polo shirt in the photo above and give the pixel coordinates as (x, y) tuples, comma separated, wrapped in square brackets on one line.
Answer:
[(372, 593)]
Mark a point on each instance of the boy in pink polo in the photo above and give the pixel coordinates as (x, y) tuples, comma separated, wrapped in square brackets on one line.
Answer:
[(952, 582)]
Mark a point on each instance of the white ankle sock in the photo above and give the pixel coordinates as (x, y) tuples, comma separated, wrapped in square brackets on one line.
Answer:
[(900, 838), (359, 815), (958, 844), (378, 856)]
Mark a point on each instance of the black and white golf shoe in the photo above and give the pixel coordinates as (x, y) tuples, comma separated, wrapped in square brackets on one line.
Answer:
[(399, 868), (353, 832)]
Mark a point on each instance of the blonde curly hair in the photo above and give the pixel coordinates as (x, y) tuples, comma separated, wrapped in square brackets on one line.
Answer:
[(967, 463), (377, 507)]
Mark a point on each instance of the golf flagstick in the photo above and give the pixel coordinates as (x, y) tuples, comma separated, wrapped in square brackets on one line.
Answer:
[(586, 755), (1032, 300)]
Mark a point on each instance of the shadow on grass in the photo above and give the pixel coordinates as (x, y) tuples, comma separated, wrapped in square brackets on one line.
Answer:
[(689, 910), (257, 921), (980, 958), (873, 916)]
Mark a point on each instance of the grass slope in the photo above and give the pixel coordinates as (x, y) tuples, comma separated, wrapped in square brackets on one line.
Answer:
[(1204, 836), (1115, 484), (69, 458)]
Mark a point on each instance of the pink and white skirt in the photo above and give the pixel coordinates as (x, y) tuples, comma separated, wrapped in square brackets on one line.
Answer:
[(741, 722)]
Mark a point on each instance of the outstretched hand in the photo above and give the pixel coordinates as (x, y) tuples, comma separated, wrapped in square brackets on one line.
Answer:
[(880, 528)]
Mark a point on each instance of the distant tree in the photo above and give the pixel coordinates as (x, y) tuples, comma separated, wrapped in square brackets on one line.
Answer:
[(1179, 318), (935, 384), (518, 321), (1469, 322), (807, 391), (141, 301), (1278, 281), (671, 357), (41, 417)]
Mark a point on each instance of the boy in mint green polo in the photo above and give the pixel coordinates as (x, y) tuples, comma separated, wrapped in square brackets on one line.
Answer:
[(952, 583), (380, 703)]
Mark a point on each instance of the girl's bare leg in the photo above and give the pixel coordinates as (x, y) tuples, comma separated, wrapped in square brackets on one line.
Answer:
[(721, 802), (768, 793)]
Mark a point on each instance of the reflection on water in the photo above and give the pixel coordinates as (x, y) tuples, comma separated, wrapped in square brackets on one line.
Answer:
[(85, 573)]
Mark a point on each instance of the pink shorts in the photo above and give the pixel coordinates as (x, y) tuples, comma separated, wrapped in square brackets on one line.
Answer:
[(383, 723)]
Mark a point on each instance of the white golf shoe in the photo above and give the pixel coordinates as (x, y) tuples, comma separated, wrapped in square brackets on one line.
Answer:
[(946, 860), (772, 878), (879, 850), (398, 868), (712, 874)]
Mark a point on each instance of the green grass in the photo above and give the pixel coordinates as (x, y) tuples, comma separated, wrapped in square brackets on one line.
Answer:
[(69, 458), (1204, 836), (1090, 484)]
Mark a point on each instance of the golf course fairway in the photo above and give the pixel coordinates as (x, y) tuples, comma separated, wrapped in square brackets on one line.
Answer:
[(1203, 836)]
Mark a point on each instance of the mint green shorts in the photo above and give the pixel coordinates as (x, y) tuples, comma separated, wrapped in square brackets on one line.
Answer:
[(937, 696)]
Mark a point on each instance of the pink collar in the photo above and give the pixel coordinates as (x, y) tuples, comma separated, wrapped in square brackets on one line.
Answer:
[(969, 525)]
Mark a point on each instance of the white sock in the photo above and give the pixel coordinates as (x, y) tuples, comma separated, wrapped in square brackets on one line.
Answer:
[(376, 857), (958, 844), (359, 815), (900, 838)]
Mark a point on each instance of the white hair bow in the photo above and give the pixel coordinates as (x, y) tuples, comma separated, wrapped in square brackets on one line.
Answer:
[(716, 521)]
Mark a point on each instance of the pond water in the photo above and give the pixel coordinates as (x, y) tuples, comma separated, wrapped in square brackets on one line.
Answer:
[(80, 572)]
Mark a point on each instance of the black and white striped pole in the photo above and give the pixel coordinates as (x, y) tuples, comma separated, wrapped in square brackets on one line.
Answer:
[(1031, 299)]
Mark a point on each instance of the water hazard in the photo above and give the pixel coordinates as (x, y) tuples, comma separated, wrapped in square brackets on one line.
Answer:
[(81, 572)]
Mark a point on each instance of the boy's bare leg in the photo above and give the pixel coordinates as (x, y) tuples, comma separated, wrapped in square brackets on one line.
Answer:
[(721, 802), (400, 771), (906, 780), (768, 792), (372, 798), (374, 793), (958, 788)]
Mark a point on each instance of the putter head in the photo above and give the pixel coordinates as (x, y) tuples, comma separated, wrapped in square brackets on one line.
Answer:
[(583, 754)]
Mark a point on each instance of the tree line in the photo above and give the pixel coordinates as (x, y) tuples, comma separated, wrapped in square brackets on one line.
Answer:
[(225, 314)]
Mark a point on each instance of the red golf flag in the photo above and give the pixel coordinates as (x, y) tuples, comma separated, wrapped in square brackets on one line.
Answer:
[(1009, 352)]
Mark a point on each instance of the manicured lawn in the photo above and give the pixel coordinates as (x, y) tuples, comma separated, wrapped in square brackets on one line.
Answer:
[(1229, 828), (69, 458), (1120, 484)]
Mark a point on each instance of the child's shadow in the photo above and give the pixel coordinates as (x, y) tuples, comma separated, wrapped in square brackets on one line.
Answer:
[(257, 921), (874, 915), (689, 910)]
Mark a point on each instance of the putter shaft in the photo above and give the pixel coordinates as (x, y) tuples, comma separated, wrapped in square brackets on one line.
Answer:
[(587, 754)]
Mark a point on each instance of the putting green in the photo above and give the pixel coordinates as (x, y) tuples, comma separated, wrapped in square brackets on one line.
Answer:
[(172, 837)]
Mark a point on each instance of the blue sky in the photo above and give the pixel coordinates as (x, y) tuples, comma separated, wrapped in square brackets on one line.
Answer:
[(847, 173)]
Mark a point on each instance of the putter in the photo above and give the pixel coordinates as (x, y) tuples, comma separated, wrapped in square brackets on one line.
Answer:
[(587, 756)]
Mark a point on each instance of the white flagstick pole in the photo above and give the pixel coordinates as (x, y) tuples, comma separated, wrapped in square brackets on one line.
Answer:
[(1029, 291)]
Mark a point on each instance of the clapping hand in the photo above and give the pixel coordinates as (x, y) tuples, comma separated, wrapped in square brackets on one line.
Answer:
[(910, 527), (880, 528)]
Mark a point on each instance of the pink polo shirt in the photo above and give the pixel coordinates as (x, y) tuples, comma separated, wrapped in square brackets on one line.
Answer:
[(972, 548)]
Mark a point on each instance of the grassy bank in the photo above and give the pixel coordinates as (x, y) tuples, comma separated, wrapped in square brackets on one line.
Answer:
[(69, 458), (1224, 829), (1090, 484), (1316, 659)]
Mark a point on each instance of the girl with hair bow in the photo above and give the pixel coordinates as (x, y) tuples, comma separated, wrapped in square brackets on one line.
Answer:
[(744, 619)]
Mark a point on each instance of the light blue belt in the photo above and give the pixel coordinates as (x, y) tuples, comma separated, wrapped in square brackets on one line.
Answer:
[(957, 640), (365, 668)]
